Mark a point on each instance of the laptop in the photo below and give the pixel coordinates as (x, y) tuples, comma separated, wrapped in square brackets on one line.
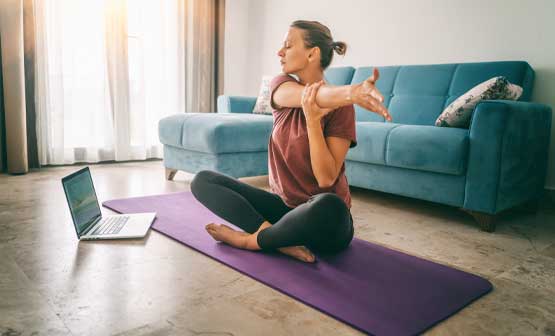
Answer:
[(87, 218)]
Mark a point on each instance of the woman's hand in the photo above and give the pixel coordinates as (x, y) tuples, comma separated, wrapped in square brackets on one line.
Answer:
[(311, 110), (367, 95)]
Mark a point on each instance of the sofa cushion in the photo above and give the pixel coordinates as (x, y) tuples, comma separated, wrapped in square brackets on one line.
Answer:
[(468, 75), (428, 148), (419, 93), (217, 132), (339, 75), (371, 139), (458, 113), (262, 105)]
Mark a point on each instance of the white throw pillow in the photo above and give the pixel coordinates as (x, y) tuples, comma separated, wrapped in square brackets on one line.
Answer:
[(262, 105), (458, 113)]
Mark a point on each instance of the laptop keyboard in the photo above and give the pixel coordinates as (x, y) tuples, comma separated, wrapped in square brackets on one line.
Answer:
[(111, 225)]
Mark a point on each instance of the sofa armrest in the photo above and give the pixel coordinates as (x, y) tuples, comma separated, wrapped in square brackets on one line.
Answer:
[(235, 104), (508, 153)]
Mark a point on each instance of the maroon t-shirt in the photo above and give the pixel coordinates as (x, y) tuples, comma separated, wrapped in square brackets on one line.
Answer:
[(290, 169)]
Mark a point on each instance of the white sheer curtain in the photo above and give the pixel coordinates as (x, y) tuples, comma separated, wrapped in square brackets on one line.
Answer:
[(107, 71)]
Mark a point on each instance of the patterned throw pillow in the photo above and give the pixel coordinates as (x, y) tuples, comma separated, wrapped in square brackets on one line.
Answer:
[(262, 105), (458, 113)]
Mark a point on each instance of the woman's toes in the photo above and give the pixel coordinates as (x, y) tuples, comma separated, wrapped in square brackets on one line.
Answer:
[(212, 229), (224, 227), (309, 257)]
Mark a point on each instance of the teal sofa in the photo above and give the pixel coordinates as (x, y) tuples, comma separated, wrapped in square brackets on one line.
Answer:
[(498, 163)]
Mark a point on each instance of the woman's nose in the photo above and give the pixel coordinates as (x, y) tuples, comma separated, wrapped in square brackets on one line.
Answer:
[(280, 52)]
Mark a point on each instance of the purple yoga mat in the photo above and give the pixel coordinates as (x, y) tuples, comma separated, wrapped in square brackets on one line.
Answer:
[(372, 288)]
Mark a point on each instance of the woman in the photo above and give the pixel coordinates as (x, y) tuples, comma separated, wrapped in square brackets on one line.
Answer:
[(308, 208)]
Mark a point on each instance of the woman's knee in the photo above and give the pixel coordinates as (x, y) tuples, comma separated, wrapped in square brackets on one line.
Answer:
[(200, 179), (329, 204), (328, 210)]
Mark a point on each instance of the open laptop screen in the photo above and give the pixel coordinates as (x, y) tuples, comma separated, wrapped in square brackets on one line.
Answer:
[(81, 198)]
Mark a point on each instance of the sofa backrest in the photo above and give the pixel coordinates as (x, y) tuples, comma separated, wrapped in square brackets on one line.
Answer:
[(417, 94), (339, 75)]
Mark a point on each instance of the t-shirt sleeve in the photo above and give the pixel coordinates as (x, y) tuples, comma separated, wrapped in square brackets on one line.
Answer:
[(275, 83), (341, 124)]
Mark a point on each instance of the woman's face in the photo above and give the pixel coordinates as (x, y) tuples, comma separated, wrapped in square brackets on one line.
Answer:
[(293, 54)]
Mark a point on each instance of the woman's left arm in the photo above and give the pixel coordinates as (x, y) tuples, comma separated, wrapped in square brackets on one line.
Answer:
[(326, 154)]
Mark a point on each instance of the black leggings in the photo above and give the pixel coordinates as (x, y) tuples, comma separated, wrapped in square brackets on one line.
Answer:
[(323, 224)]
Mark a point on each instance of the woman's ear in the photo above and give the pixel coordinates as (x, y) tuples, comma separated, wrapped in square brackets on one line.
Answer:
[(314, 53)]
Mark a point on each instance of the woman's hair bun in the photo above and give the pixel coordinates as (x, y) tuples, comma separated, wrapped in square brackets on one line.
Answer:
[(340, 47)]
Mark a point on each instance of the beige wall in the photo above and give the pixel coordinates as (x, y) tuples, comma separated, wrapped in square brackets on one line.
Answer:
[(398, 32)]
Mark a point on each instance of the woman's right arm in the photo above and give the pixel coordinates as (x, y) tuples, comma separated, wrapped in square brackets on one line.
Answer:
[(289, 94), (365, 94)]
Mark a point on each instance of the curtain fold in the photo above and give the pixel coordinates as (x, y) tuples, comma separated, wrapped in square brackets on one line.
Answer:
[(118, 77), (29, 66), (219, 45), (204, 48), (2, 123), (13, 72)]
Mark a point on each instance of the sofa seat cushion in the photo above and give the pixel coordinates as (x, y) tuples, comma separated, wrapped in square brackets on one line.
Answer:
[(217, 132), (371, 139), (428, 148)]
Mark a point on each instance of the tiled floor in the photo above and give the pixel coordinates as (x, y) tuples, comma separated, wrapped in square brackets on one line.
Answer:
[(52, 284)]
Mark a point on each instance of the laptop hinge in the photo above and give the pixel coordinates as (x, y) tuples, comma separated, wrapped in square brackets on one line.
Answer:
[(91, 226)]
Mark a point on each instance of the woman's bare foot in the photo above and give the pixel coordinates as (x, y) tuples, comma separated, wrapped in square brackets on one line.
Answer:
[(298, 252), (224, 233)]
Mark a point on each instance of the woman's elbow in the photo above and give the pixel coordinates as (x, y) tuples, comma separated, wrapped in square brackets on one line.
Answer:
[(326, 183)]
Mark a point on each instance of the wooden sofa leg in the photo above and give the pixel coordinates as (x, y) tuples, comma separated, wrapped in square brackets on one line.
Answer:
[(170, 173), (486, 221)]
